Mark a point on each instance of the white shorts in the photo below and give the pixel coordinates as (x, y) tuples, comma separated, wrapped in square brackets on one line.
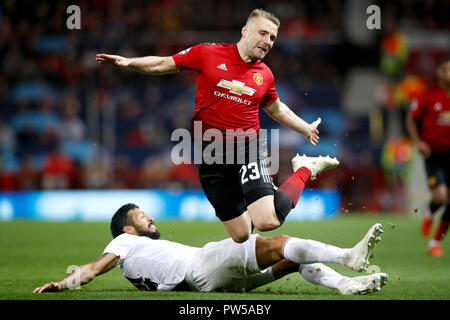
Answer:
[(224, 265)]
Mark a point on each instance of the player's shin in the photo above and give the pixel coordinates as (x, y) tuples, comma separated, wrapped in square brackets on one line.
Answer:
[(321, 274), (433, 207), (283, 205), (294, 185), (443, 225), (272, 273), (310, 251), (257, 280), (287, 196)]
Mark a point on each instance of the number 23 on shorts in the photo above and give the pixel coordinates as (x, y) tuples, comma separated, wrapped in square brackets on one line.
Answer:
[(253, 172)]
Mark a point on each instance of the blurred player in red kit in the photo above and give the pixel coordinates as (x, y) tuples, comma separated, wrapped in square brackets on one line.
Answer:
[(232, 85), (428, 124)]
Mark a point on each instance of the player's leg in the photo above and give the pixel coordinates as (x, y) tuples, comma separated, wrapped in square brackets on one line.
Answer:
[(226, 197), (438, 171), (323, 275), (270, 274), (273, 249), (239, 228), (438, 199), (319, 274), (436, 183), (227, 266), (269, 208), (259, 194), (434, 247), (262, 213)]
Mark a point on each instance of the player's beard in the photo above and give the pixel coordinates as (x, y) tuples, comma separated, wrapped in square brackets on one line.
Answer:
[(155, 235)]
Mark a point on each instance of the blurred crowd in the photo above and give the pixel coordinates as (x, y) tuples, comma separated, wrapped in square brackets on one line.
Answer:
[(68, 123)]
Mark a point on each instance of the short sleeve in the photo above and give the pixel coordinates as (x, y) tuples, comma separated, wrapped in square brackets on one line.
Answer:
[(120, 246), (191, 58), (416, 107), (270, 96)]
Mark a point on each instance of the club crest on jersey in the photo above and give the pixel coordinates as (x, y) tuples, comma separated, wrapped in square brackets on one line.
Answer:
[(257, 77), (444, 118), (236, 87)]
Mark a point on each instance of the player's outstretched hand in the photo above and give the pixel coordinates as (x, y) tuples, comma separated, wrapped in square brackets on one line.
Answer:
[(313, 135), (104, 58), (48, 287), (424, 149)]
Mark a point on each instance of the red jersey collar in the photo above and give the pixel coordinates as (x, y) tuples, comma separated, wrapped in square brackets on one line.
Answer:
[(238, 56)]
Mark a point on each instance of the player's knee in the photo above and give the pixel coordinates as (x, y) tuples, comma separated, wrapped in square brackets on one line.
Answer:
[(281, 238), (239, 238), (440, 199), (440, 195), (267, 225)]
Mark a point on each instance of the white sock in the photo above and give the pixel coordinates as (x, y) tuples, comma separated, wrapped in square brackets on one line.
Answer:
[(321, 274), (433, 243), (311, 251)]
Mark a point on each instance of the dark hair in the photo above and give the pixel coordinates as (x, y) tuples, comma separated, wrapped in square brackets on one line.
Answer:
[(120, 219), (443, 60)]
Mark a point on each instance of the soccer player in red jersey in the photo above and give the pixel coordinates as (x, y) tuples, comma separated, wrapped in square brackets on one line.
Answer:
[(232, 85), (428, 124)]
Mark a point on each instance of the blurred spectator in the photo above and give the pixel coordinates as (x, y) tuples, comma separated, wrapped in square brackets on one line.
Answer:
[(46, 117), (155, 172), (24, 116), (125, 175), (152, 131), (28, 176), (127, 128), (27, 141), (59, 171), (394, 48), (71, 128), (7, 137), (8, 180), (96, 175), (185, 175), (48, 140)]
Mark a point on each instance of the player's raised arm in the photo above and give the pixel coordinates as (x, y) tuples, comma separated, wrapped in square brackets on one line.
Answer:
[(150, 64), (82, 274), (413, 131), (281, 113)]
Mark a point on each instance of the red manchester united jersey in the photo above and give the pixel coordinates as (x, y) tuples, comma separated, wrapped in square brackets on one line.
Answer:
[(229, 91), (433, 110)]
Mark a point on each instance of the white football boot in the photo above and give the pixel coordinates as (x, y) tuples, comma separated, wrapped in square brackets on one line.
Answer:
[(359, 259), (363, 285), (315, 164)]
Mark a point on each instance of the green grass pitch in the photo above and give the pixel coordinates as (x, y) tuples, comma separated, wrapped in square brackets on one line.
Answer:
[(32, 253)]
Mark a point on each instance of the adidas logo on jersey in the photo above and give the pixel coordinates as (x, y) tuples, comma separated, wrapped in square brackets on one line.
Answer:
[(222, 66)]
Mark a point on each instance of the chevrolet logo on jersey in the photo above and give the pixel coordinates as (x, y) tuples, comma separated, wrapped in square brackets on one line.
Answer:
[(236, 87)]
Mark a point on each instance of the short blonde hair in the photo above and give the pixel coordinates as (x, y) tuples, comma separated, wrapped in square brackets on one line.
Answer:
[(265, 14)]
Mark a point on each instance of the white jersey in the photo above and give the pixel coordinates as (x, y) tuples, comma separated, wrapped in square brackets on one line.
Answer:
[(159, 262)]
